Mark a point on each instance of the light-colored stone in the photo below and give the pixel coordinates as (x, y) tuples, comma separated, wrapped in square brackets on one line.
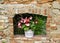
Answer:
[(1, 28), (13, 40), (6, 32), (2, 20), (6, 20), (28, 41), (38, 42), (19, 41), (56, 4), (46, 5), (56, 11), (3, 17)]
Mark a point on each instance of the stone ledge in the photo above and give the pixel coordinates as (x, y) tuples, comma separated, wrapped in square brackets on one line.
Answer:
[(38, 37)]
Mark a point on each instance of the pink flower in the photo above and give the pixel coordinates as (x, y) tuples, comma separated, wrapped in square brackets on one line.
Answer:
[(19, 25), (26, 20), (27, 24), (30, 17), (22, 20)]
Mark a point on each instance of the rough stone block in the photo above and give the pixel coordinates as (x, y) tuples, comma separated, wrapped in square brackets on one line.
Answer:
[(58, 1), (19, 41), (3, 17), (56, 11), (53, 26), (1, 33), (13, 40), (2, 23), (56, 4), (10, 20), (2, 20), (1, 28), (38, 42), (29, 41), (6, 20)]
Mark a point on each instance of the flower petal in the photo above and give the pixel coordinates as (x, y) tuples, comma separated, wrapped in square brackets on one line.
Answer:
[(27, 24), (30, 17)]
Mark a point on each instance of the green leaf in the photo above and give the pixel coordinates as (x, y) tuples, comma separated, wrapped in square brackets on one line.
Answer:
[(26, 28), (23, 26)]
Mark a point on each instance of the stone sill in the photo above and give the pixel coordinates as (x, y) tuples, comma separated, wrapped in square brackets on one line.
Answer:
[(37, 37)]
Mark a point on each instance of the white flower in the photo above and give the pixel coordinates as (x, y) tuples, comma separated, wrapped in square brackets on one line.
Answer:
[(27, 24)]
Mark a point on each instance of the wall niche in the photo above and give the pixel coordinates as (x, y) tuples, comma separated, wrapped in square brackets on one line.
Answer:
[(40, 27)]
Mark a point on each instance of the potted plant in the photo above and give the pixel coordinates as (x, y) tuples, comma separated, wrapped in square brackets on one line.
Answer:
[(28, 24)]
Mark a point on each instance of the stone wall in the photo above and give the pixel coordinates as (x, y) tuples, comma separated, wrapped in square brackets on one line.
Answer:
[(50, 9), (24, 1)]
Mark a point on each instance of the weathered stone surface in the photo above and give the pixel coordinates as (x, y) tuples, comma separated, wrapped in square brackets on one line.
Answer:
[(3, 17), (6, 20), (27, 41), (56, 11), (2, 28), (10, 20), (19, 41), (56, 4), (52, 10), (58, 1), (2, 20), (24, 1), (13, 40), (38, 42), (1, 33)]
